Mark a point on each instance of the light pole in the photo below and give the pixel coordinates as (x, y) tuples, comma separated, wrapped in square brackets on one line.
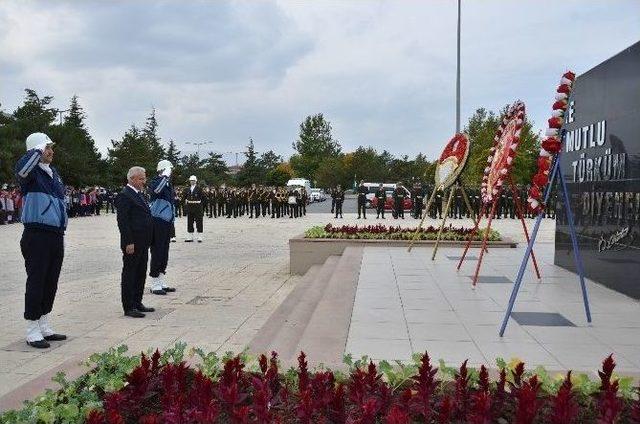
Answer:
[(458, 76), (198, 144)]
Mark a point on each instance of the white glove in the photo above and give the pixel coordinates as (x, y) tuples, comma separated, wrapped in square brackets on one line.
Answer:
[(41, 147), (166, 172)]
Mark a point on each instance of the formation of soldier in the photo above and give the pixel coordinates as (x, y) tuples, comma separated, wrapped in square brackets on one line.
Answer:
[(252, 202), (419, 195)]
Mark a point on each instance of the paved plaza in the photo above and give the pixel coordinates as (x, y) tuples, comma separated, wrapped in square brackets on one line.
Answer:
[(229, 286)]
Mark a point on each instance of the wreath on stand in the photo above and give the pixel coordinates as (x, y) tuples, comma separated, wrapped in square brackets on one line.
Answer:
[(452, 161), (551, 145), (503, 151)]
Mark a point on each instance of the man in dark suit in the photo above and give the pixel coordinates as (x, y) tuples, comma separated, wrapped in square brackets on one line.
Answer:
[(136, 234)]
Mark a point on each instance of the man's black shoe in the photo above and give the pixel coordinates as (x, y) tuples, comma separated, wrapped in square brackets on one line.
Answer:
[(55, 337), (39, 344), (169, 289), (134, 313), (160, 292), (143, 308)]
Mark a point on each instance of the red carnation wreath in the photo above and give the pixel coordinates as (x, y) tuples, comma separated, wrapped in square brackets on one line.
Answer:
[(552, 143), (503, 151), (452, 161)]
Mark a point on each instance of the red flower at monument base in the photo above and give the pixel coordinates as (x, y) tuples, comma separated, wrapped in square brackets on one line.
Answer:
[(552, 144), (175, 393)]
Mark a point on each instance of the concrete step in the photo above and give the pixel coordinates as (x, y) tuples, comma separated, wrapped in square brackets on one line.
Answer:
[(285, 326), (325, 336)]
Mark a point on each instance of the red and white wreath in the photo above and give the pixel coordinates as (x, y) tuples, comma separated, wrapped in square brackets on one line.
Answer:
[(503, 151), (552, 143)]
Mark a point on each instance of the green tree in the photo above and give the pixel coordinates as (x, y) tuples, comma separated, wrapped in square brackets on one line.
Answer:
[(279, 175), (191, 165), (173, 156), (251, 171), (214, 170), (315, 143), (333, 171), (77, 157), (268, 161), (481, 128)]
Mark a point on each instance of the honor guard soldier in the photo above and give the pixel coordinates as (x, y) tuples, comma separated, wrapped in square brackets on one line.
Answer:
[(193, 201), (398, 201), (417, 195), (362, 199), (381, 198), (338, 197), (163, 213), (438, 204), (44, 217)]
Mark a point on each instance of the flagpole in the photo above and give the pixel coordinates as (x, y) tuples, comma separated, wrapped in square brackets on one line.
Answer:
[(458, 75)]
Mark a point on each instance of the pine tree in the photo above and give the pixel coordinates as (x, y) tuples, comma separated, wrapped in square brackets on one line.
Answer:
[(132, 150), (151, 137), (77, 157), (251, 171)]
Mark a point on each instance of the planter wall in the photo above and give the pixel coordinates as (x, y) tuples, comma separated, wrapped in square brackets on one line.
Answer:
[(305, 252)]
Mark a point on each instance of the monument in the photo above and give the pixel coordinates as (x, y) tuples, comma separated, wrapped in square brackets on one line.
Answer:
[(601, 163)]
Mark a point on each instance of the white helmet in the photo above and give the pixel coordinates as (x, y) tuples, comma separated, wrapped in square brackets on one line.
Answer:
[(193, 178), (164, 164), (36, 139)]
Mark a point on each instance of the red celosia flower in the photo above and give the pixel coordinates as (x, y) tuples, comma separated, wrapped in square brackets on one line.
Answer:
[(565, 407), (397, 415)]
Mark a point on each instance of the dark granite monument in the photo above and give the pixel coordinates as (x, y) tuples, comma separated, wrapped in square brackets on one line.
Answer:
[(600, 160)]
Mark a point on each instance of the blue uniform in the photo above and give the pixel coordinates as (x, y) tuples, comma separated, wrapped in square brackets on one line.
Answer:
[(163, 212), (44, 216)]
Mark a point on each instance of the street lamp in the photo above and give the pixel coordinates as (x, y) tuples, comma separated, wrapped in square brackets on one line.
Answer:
[(198, 144)]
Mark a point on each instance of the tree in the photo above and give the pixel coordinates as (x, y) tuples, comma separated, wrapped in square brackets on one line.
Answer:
[(269, 160), (214, 169), (481, 128), (152, 139), (331, 172), (279, 175), (191, 165), (173, 156), (251, 171), (79, 161), (131, 150), (315, 143)]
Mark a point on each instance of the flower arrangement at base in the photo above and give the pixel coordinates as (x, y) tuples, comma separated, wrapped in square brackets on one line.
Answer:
[(551, 145), (382, 232), (159, 388), (503, 152)]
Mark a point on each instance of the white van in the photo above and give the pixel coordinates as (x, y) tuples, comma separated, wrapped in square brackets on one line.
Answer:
[(301, 182), (372, 188)]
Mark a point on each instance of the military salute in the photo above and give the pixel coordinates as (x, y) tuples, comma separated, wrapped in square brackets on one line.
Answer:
[(44, 218), (194, 199), (163, 212)]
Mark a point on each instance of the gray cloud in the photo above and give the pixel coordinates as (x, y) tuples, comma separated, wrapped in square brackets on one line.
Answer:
[(383, 72)]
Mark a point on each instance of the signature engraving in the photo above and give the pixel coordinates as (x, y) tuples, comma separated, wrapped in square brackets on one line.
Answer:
[(614, 240)]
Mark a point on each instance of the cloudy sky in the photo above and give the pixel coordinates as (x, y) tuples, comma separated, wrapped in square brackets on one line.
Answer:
[(383, 72)]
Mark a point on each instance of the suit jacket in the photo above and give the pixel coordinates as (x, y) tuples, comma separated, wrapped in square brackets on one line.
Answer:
[(134, 220)]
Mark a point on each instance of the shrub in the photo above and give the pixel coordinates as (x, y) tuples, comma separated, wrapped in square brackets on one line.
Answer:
[(382, 232), (161, 388)]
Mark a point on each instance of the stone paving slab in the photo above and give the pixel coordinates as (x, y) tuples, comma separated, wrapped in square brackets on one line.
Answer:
[(427, 305), (242, 268)]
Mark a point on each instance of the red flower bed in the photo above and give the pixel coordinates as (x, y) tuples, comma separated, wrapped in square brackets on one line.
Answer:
[(383, 229), (175, 393)]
